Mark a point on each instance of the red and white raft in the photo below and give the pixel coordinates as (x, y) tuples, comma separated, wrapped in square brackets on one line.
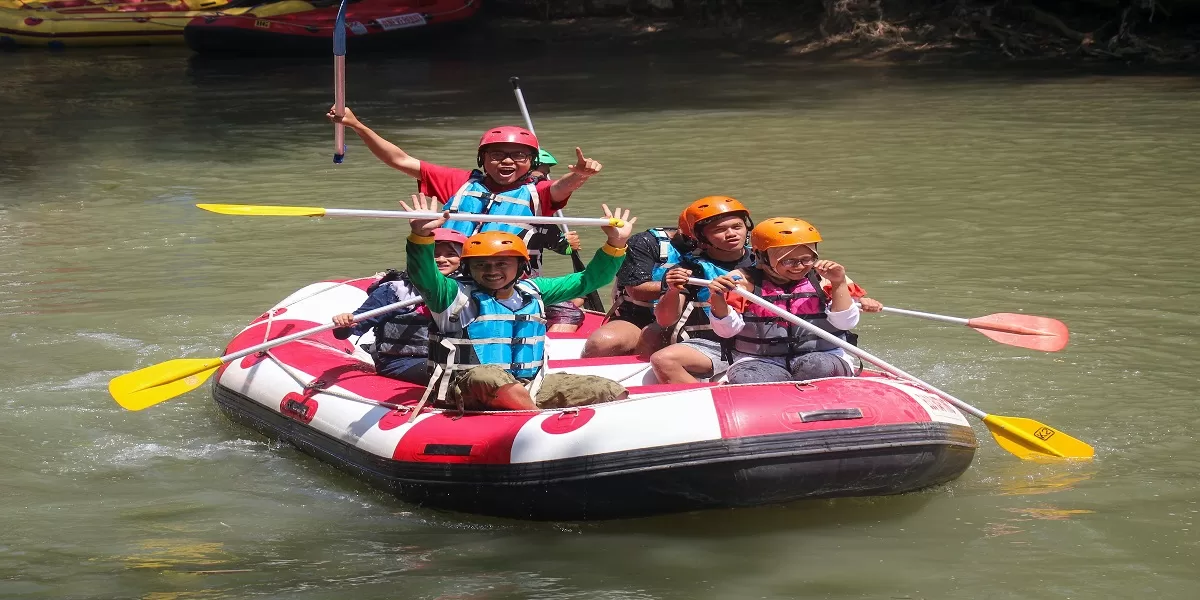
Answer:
[(668, 448)]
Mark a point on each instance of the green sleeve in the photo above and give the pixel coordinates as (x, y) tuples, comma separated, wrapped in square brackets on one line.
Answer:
[(438, 290), (599, 273)]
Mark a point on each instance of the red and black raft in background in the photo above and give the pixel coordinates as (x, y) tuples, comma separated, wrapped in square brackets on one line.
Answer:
[(371, 25)]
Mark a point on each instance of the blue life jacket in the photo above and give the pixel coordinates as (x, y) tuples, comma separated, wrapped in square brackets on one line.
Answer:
[(694, 323), (668, 256), (474, 197), (513, 340)]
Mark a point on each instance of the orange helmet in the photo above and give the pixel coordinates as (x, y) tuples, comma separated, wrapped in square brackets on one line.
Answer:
[(709, 207), (683, 225), (777, 232), (495, 243)]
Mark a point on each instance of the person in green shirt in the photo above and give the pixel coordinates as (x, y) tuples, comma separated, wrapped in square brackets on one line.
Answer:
[(490, 353)]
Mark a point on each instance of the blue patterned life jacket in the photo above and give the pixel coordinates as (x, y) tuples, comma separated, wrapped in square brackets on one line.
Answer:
[(514, 340)]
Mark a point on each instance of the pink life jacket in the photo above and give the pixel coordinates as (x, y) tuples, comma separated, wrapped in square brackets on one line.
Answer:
[(765, 334)]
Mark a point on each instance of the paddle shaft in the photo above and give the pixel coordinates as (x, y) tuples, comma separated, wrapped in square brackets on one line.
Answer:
[(972, 323), (592, 301), (339, 108), (844, 345), (518, 219), (516, 83), (925, 315), (315, 330), (339, 82)]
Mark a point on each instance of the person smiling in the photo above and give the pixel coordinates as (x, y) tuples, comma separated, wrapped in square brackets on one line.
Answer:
[(501, 185), (491, 350), (793, 277)]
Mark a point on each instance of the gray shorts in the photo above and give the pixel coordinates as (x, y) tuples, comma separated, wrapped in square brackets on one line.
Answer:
[(712, 350)]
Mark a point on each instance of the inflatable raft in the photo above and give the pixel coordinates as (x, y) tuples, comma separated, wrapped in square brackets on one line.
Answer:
[(667, 448), (370, 25), (71, 23)]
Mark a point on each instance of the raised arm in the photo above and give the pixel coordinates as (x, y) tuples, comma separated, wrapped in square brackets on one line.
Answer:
[(583, 169), (387, 152), (439, 291), (599, 272)]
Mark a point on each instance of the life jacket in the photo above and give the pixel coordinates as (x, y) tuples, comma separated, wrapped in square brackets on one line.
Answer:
[(475, 197), (402, 333), (668, 256), (513, 340), (693, 320), (765, 334)]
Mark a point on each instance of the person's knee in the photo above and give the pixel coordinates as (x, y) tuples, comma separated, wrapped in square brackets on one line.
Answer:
[(607, 342), (755, 372), (817, 365), (664, 359)]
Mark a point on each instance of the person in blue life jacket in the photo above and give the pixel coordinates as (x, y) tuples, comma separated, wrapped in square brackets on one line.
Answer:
[(630, 327), (500, 185), (490, 353), (720, 225), (401, 347)]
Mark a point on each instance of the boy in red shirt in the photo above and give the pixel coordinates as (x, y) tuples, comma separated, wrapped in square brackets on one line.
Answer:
[(505, 156)]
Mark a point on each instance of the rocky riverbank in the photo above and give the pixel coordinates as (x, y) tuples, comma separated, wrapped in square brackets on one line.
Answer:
[(865, 30)]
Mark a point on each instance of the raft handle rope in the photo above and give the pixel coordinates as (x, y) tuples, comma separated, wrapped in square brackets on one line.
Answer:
[(296, 376)]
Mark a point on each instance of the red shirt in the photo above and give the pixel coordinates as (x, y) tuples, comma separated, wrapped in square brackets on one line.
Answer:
[(444, 182)]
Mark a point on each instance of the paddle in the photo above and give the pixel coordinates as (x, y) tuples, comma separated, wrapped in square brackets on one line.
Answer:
[(1024, 331), (259, 210), (339, 83), (592, 301), (149, 386), (1025, 438)]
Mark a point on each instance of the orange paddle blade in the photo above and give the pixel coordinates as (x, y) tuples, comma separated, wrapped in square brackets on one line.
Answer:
[(1024, 331)]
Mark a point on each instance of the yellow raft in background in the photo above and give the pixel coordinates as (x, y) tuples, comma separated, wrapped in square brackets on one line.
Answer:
[(56, 24)]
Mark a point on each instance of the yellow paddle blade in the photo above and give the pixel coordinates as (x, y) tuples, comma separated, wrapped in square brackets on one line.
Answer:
[(1029, 439), (258, 210), (149, 386)]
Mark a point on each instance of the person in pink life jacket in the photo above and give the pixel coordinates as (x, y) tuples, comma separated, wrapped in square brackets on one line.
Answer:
[(401, 347), (790, 274)]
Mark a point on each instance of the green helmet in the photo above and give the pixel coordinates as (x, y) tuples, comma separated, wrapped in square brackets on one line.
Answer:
[(545, 158)]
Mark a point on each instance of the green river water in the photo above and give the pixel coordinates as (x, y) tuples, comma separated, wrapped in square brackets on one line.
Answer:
[(965, 193)]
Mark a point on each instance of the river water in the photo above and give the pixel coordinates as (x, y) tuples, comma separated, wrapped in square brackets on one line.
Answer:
[(965, 193)]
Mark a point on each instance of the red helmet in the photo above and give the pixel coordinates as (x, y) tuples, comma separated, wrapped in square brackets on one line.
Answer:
[(508, 134), (445, 234)]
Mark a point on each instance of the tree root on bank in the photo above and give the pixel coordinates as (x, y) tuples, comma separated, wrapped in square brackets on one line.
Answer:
[(1016, 27), (1126, 30)]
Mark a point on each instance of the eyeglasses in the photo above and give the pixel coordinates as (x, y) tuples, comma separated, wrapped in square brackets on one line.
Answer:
[(792, 263), (516, 155)]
